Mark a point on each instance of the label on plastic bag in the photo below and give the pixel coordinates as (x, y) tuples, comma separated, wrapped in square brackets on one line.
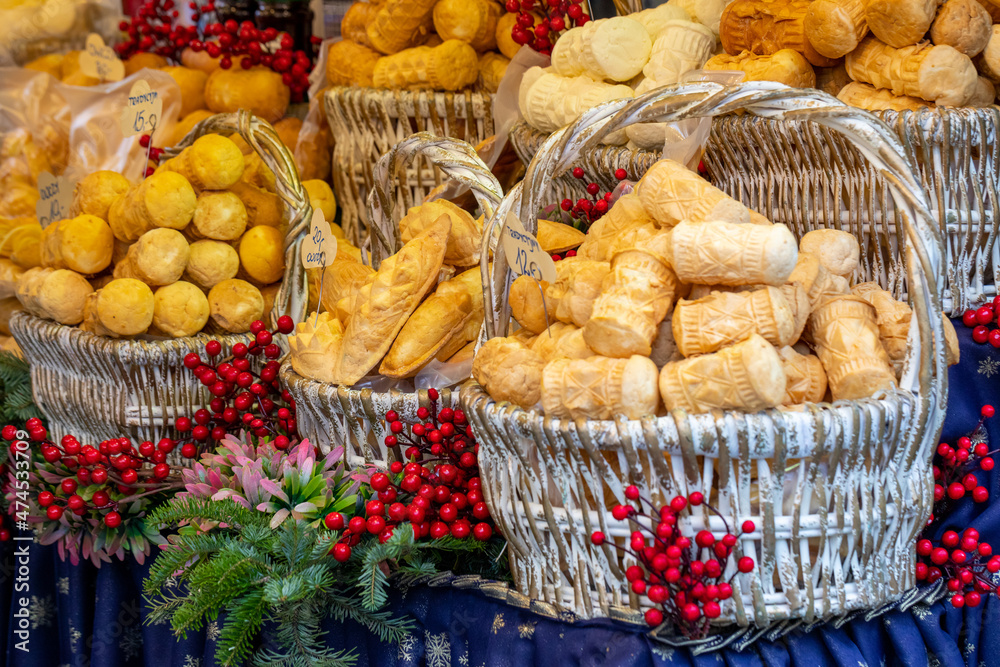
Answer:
[(55, 196), (524, 253), (100, 61), (319, 248), (142, 111)]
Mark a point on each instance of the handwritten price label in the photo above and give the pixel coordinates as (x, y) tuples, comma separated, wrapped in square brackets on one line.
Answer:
[(525, 255), (55, 196), (100, 61), (142, 110), (319, 249)]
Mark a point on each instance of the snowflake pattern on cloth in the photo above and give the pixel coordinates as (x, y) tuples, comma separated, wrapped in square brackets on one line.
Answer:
[(41, 611), (437, 649), (62, 585), (131, 642)]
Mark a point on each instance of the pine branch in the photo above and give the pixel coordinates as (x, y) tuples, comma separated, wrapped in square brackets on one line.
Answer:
[(244, 618), (189, 548), (194, 509), (388, 627)]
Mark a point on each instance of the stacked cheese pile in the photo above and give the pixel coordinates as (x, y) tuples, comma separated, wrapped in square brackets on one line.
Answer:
[(435, 44), (200, 239), (610, 59), (424, 303), (681, 297), (207, 89), (875, 54)]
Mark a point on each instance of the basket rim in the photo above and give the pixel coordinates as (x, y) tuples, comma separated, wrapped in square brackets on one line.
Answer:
[(46, 330), (474, 398), (406, 93)]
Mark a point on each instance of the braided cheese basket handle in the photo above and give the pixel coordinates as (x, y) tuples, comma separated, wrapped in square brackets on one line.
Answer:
[(925, 372), (293, 295), (456, 158)]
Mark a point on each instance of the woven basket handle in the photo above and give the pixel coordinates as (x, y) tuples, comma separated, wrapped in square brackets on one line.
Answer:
[(925, 371), (293, 295), (456, 158)]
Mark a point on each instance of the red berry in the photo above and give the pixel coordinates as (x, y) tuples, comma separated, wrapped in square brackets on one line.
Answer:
[(749, 526), (980, 334), (994, 338), (112, 519), (956, 491), (621, 174), (189, 450), (678, 503), (970, 482), (593, 189), (985, 549), (654, 617), (939, 556), (712, 610), (658, 594), (969, 318), (632, 492), (704, 539), (984, 315), (45, 498), (924, 547), (980, 494), (972, 599), (341, 552), (745, 564), (577, 172), (439, 529), (950, 539), (68, 486), (482, 532), (957, 601), (54, 512), (987, 411)]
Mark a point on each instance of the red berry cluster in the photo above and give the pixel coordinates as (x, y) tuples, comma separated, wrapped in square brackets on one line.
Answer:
[(980, 321), (153, 154), (966, 562), (243, 398), (557, 16), (954, 476), (684, 579), (439, 492), (154, 30), (114, 465), (962, 559), (586, 210)]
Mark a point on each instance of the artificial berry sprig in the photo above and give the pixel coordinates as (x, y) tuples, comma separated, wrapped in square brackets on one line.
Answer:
[(556, 17), (244, 399), (82, 480), (154, 29), (684, 579), (587, 211), (438, 492), (982, 320), (962, 559), (953, 474)]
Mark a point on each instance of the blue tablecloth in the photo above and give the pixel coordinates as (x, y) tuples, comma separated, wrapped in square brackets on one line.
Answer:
[(84, 616)]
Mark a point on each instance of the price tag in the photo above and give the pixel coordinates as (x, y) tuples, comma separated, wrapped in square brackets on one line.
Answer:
[(319, 248), (524, 253), (100, 61), (55, 196), (142, 110)]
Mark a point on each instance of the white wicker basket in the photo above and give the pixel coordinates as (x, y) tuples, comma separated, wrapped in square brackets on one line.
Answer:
[(838, 492), (367, 122), (328, 414), (97, 388)]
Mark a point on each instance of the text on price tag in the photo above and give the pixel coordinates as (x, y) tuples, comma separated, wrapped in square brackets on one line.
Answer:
[(524, 253), (55, 196), (319, 248), (100, 61), (142, 111)]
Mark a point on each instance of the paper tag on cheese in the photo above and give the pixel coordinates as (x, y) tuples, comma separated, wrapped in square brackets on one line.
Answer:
[(524, 254), (319, 248), (55, 196), (100, 61), (142, 111)]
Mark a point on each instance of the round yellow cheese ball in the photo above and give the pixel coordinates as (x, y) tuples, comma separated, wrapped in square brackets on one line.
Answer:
[(125, 306), (262, 254), (180, 309), (234, 304), (321, 198)]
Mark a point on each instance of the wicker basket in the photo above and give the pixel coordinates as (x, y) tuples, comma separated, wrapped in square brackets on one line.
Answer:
[(329, 414), (787, 169), (838, 492), (97, 388), (368, 122)]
